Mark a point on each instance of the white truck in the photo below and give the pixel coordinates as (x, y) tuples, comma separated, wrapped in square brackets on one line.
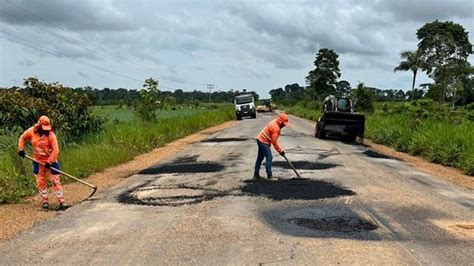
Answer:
[(244, 106)]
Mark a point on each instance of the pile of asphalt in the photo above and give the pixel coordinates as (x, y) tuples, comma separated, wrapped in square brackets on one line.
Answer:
[(344, 224), (195, 167)]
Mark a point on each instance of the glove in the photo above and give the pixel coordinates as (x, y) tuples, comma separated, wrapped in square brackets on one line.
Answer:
[(47, 165), (282, 153), (21, 153)]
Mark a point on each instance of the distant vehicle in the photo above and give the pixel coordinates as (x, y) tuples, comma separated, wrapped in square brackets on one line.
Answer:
[(338, 117), (265, 106), (244, 106)]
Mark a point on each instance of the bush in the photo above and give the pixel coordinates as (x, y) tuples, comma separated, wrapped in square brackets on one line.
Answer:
[(69, 111)]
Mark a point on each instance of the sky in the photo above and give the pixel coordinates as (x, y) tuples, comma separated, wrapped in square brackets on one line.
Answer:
[(253, 45)]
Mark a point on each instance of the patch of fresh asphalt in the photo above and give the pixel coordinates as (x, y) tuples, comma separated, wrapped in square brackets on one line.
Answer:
[(200, 207)]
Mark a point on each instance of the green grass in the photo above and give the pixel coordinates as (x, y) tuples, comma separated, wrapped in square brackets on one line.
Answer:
[(124, 137), (304, 112), (437, 140)]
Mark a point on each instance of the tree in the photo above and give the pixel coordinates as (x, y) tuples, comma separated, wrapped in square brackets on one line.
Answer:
[(363, 98), (343, 88), (148, 104), (322, 80), (442, 44), (412, 60)]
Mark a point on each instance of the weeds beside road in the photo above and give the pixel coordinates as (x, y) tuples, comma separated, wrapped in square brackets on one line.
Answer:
[(124, 136)]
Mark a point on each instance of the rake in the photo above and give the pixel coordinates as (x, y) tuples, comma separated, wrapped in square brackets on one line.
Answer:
[(68, 175)]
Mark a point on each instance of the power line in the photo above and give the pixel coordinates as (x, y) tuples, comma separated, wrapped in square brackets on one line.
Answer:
[(46, 50), (86, 42)]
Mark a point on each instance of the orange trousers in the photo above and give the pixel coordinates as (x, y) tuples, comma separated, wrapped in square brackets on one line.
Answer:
[(41, 173)]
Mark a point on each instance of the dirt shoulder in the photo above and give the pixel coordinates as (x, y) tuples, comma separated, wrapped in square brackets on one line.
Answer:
[(448, 173), (15, 218)]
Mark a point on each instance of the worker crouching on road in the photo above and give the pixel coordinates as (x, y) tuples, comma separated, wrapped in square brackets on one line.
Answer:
[(267, 137), (46, 151)]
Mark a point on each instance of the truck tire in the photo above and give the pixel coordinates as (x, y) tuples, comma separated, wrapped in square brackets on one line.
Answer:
[(254, 116), (239, 118), (320, 133), (351, 138)]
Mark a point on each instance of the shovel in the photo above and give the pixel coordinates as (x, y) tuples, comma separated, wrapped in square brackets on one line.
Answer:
[(292, 167), (68, 175)]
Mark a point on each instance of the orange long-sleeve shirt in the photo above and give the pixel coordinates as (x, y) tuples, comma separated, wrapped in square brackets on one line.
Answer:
[(45, 148), (270, 134)]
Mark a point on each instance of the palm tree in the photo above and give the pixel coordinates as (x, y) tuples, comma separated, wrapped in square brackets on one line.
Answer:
[(413, 60)]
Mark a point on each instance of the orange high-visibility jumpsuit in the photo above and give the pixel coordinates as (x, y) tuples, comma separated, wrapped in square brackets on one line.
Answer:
[(45, 150), (267, 137)]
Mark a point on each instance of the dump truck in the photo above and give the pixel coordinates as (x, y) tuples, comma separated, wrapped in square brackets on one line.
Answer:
[(244, 106), (338, 118)]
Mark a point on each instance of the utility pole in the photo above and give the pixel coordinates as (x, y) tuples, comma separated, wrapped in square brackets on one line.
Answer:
[(210, 87)]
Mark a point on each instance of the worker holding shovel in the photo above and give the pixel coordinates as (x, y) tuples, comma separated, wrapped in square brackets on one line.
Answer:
[(45, 153), (267, 137)]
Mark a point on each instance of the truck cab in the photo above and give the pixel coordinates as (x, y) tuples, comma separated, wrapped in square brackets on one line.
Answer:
[(244, 106), (338, 117)]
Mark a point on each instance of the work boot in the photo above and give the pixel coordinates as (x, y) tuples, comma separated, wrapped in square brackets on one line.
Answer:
[(62, 206), (270, 177), (45, 206), (257, 176)]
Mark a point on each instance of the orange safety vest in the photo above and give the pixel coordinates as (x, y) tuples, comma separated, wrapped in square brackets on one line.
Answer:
[(269, 135)]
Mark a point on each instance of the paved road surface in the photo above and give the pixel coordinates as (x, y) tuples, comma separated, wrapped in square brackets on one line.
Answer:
[(199, 207)]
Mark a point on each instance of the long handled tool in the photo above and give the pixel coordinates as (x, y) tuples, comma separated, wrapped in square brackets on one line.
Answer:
[(292, 167), (68, 175)]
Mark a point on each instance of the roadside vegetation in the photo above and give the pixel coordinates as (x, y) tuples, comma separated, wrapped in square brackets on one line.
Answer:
[(434, 120), (113, 135)]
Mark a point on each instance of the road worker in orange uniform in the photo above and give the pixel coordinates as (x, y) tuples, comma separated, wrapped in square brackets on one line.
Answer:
[(45, 150), (267, 137)]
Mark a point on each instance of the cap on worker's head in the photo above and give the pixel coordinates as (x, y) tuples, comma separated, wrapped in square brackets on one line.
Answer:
[(283, 118), (44, 122)]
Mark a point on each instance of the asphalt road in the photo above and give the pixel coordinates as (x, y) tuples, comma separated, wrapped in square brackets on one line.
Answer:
[(200, 207)]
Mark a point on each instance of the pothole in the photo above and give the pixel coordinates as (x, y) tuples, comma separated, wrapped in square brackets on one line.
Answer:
[(295, 189), (169, 196), (335, 224), (305, 165), (168, 193), (197, 167)]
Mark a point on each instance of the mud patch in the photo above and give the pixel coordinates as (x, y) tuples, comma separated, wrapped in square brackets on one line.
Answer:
[(335, 224), (214, 140), (294, 189), (169, 195), (374, 154), (201, 167), (305, 165)]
